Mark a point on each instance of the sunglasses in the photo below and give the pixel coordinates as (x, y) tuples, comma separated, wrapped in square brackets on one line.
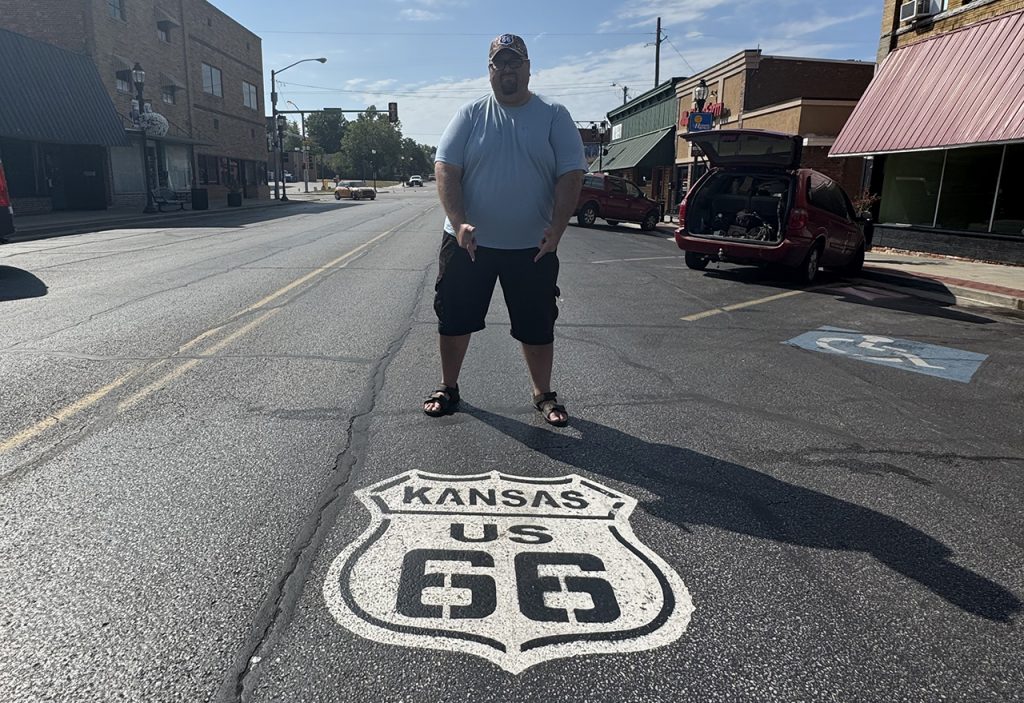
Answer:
[(511, 63)]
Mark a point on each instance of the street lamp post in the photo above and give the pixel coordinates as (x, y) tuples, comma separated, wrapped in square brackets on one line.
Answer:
[(274, 115), (700, 94), (305, 155), (139, 78), (602, 129), (373, 167), (282, 125)]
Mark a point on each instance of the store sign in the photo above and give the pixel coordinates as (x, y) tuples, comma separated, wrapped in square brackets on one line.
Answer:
[(700, 122), (513, 569), (616, 131), (717, 110)]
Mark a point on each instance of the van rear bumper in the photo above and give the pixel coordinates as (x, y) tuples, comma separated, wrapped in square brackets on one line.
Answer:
[(786, 252)]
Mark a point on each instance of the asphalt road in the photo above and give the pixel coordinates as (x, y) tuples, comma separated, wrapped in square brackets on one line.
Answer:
[(216, 482)]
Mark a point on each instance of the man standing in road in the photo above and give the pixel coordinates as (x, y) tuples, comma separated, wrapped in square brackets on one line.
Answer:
[(509, 169)]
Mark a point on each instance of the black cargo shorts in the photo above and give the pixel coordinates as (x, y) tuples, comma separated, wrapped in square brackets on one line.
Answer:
[(464, 288)]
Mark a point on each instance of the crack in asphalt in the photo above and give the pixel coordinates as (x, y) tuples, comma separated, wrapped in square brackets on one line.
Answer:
[(276, 613)]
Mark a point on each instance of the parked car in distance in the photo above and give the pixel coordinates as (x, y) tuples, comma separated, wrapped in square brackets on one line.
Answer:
[(354, 190), (288, 177), (615, 200), (757, 206), (6, 209), (416, 181)]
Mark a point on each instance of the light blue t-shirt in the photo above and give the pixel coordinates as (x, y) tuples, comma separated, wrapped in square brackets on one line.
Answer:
[(510, 158)]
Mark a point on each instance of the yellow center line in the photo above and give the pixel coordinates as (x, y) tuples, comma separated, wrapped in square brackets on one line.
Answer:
[(192, 363), (96, 396), (317, 272), (64, 413), (738, 306)]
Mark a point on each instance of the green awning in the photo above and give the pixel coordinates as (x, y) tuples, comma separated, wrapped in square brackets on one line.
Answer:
[(49, 94), (630, 152)]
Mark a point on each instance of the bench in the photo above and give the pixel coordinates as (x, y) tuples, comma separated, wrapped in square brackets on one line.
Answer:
[(166, 196)]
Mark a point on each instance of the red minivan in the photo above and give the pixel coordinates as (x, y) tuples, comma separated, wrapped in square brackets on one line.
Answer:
[(757, 206), (6, 209)]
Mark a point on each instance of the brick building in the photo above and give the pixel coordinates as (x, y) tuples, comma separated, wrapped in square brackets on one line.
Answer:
[(942, 128), (805, 96), (203, 73)]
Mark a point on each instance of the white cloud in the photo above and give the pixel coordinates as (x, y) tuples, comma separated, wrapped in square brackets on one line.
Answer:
[(418, 15), (820, 22), (644, 13)]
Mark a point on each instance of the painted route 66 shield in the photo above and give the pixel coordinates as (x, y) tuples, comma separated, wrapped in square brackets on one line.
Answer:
[(513, 569)]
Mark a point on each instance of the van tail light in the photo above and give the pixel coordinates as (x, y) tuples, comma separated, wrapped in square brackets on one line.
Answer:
[(5, 196), (682, 213), (797, 219)]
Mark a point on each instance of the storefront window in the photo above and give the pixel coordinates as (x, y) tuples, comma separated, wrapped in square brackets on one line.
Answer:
[(968, 188), (911, 188), (179, 167), (1010, 205)]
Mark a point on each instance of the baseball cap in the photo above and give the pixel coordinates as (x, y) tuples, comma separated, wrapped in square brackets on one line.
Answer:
[(511, 42)]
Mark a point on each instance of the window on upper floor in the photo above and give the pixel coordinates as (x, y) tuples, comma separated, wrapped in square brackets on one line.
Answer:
[(167, 94), (123, 78), (249, 95), (116, 9), (163, 33), (212, 81)]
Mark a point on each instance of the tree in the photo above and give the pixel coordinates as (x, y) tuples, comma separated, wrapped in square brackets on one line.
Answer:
[(371, 131), (292, 136), (326, 129)]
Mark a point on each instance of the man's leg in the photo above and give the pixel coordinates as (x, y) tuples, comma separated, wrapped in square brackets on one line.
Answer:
[(453, 352), (539, 360)]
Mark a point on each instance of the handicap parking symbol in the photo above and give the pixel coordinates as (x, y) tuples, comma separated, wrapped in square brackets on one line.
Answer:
[(929, 359)]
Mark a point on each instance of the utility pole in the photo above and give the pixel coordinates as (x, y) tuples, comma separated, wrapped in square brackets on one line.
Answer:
[(657, 56), (625, 94)]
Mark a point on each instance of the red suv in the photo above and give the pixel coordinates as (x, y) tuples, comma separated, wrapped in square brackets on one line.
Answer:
[(6, 210), (615, 200), (756, 206)]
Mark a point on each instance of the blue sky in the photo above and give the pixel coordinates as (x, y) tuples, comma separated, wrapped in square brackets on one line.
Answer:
[(431, 55)]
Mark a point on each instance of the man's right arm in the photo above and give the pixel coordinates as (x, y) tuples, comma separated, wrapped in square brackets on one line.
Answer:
[(449, 190)]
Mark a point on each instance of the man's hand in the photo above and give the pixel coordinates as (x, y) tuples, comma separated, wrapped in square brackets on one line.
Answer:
[(548, 243), (464, 234)]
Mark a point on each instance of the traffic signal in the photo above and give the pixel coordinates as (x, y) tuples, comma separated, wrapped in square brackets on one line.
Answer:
[(593, 132), (392, 112)]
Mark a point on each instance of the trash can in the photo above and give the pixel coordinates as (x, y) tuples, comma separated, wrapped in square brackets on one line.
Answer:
[(200, 199)]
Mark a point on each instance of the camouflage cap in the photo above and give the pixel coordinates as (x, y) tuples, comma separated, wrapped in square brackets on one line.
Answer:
[(511, 42)]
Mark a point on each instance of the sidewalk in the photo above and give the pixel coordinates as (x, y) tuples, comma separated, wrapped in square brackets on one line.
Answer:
[(942, 278), (55, 224)]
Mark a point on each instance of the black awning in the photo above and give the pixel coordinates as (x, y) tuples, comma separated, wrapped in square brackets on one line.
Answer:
[(53, 95)]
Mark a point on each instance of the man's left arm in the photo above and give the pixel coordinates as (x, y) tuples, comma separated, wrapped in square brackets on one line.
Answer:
[(567, 193)]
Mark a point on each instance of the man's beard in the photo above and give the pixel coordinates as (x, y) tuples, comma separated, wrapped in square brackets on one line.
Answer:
[(510, 85)]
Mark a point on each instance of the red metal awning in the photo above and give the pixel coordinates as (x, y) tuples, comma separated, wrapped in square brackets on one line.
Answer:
[(957, 89)]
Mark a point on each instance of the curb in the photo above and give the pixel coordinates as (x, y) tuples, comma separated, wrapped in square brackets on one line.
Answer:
[(935, 288), (84, 226)]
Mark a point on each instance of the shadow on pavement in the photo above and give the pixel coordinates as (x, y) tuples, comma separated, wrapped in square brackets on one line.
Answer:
[(16, 284), (695, 489), (827, 283)]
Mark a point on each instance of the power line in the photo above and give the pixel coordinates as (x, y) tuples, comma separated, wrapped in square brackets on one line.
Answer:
[(442, 93), (692, 69), (453, 34)]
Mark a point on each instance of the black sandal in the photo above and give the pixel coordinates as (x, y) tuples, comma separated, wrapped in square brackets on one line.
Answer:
[(446, 397), (547, 403)]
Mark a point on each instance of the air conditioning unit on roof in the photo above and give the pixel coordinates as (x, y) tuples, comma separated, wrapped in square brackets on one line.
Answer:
[(913, 10)]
